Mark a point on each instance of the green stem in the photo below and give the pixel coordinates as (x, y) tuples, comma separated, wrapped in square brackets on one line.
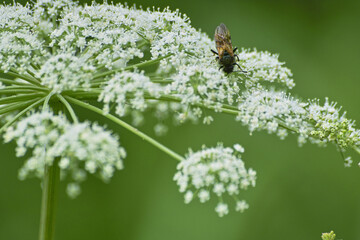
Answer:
[(356, 149), (16, 106), (48, 202), (26, 87), (50, 189), (127, 126), (68, 107), (13, 82), (46, 101), (31, 73), (20, 114), (83, 90), (24, 77), (6, 91), (146, 63), (142, 64), (161, 80), (91, 95), (228, 109), (140, 45), (20, 97), (35, 66)]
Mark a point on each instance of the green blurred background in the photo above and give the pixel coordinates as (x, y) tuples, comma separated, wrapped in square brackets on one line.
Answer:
[(300, 192)]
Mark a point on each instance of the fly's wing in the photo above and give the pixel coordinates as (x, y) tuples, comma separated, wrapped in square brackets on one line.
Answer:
[(223, 40)]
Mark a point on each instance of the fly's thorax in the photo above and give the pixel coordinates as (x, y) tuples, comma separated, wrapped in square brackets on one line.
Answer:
[(227, 59)]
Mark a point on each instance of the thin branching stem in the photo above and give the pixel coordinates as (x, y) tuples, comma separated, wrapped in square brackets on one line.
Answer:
[(27, 78), (17, 116), (26, 87), (68, 107), (13, 82), (19, 97), (228, 109), (6, 91), (46, 101), (16, 106), (126, 126), (138, 65)]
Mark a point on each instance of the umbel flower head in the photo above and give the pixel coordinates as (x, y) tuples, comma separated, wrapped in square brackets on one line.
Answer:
[(80, 148), (127, 61), (219, 171)]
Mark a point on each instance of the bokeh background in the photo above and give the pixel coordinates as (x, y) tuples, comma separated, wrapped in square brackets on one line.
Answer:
[(300, 192)]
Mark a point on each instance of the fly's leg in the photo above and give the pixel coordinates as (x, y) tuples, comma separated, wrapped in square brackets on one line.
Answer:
[(236, 54), (240, 68), (214, 52)]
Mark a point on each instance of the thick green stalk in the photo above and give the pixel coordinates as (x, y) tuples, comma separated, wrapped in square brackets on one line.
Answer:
[(49, 195), (48, 203)]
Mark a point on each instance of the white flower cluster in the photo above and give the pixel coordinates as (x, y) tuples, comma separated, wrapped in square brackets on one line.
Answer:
[(278, 112), (65, 71), (217, 170), (262, 109), (79, 148), (133, 60), (123, 86), (85, 41), (17, 41), (264, 66)]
